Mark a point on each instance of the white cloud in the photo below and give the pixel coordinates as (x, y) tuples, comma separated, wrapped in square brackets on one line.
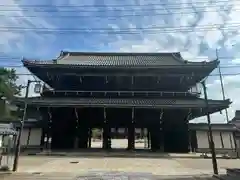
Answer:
[(231, 89), (208, 25), (13, 15), (191, 43)]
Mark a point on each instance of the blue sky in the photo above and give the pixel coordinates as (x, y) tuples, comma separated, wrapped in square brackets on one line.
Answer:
[(201, 18)]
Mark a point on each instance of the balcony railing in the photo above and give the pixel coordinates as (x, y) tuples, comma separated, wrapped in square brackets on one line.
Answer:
[(120, 93)]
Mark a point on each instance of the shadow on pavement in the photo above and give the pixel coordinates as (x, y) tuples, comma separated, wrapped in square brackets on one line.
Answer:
[(118, 154)]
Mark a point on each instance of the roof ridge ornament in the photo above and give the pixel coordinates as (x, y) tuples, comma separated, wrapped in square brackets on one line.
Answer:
[(177, 56)]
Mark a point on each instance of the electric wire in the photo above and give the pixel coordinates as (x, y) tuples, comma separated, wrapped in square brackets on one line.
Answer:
[(162, 29), (132, 10), (166, 7), (149, 30), (112, 17), (115, 5), (153, 30)]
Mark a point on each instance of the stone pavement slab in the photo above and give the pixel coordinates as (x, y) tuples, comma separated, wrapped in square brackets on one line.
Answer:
[(99, 176), (81, 165), (158, 167)]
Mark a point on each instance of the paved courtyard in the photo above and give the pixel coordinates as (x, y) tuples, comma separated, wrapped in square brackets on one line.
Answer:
[(175, 166), (158, 166), (46, 167)]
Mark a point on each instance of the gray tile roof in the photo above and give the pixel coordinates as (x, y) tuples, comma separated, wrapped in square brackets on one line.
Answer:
[(87, 59), (215, 127), (150, 103), (119, 59)]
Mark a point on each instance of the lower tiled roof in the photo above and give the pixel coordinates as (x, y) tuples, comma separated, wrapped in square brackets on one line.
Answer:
[(120, 59), (100, 102), (215, 127)]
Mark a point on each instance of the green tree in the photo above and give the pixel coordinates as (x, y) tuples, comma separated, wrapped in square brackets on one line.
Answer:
[(8, 88)]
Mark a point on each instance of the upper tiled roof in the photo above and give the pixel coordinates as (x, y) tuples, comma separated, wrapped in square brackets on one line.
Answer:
[(119, 59)]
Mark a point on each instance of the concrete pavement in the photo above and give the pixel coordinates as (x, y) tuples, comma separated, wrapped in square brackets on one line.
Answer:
[(80, 165), (106, 176), (45, 167), (104, 167)]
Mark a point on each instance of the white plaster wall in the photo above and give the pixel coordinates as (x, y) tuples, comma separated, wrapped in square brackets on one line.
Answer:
[(217, 139), (238, 143), (24, 136), (1, 140), (227, 141), (202, 139), (35, 137)]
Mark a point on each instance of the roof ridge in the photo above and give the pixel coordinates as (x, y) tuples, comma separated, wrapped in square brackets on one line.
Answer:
[(81, 53)]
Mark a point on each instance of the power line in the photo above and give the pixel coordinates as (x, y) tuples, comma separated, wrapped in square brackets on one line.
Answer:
[(122, 29), (115, 5), (77, 32), (132, 10), (149, 30), (113, 17)]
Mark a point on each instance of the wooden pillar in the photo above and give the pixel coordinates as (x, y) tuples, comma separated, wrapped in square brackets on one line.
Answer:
[(49, 129), (148, 138), (76, 141), (142, 133), (131, 133), (42, 143), (44, 128), (90, 138), (28, 138), (106, 132), (82, 131)]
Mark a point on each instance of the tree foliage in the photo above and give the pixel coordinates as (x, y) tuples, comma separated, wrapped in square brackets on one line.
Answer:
[(8, 89), (8, 86)]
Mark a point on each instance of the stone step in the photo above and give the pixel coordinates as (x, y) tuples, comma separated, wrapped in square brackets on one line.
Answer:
[(233, 172), (225, 177)]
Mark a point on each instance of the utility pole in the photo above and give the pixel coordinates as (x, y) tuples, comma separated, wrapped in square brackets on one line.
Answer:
[(222, 87), (18, 145), (211, 142), (223, 94)]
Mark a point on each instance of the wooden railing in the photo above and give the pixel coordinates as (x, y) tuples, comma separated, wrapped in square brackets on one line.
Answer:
[(124, 93)]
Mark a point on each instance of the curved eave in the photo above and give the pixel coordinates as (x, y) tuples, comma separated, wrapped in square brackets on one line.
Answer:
[(51, 64), (124, 103), (213, 63), (215, 127)]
